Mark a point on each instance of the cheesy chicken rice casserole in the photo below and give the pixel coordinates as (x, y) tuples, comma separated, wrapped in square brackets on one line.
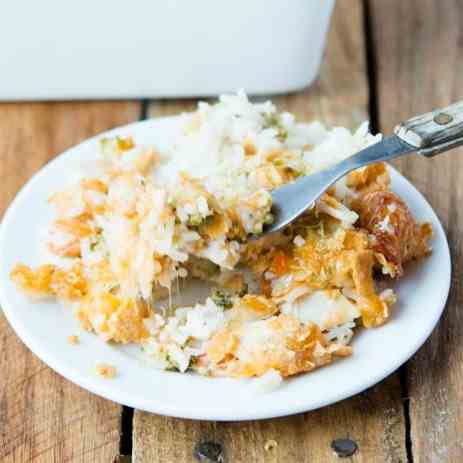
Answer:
[(147, 222)]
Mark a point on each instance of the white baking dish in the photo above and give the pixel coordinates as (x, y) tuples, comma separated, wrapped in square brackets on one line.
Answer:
[(159, 48)]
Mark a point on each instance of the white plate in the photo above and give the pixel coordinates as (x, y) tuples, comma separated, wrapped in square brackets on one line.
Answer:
[(44, 327)]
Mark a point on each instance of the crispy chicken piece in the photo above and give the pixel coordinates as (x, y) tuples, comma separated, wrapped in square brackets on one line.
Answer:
[(113, 318), (49, 280), (281, 343), (374, 177), (337, 258), (396, 237)]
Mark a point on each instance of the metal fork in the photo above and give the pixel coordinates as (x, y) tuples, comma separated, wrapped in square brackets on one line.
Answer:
[(429, 134)]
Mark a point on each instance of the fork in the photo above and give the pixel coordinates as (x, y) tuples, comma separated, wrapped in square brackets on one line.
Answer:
[(429, 134)]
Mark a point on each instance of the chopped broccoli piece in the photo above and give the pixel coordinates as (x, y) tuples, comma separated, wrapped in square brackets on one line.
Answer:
[(244, 290), (273, 121), (172, 365), (222, 299), (195, 220), (269, 218), (96, 241)]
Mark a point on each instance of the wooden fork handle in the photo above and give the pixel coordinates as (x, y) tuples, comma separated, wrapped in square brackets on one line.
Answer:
[(435, 132)]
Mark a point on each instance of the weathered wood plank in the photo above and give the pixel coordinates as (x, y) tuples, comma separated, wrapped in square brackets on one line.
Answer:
[(419, 59), (43, 417), (374, 419)]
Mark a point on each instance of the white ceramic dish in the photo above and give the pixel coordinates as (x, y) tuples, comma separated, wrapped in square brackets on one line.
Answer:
[(44, 326), (174, 48)]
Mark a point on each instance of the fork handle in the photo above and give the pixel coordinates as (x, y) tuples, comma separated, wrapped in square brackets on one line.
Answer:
[(435, 132)]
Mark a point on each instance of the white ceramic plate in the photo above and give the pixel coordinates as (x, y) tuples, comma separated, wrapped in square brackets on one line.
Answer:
[(44, 326)]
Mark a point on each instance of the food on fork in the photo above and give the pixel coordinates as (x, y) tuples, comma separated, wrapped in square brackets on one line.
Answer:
[(146, 222)]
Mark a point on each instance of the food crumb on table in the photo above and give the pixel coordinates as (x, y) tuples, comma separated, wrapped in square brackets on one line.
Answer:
[(73, 339), (106, 371), (270, 445)]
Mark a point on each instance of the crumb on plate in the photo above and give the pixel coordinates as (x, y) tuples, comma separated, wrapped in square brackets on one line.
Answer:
[(270, 445), (106, 371), (73, 339)]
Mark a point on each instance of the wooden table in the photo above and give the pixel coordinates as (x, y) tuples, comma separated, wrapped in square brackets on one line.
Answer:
[(386, 61)]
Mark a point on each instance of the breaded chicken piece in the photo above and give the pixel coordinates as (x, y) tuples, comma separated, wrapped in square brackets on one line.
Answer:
[(280, 343), (114, 318), (396, 237), (50, 280)]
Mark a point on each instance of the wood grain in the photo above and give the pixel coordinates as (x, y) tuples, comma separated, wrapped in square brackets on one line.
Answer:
[(43, 417), (419, 53), (374, 419)]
